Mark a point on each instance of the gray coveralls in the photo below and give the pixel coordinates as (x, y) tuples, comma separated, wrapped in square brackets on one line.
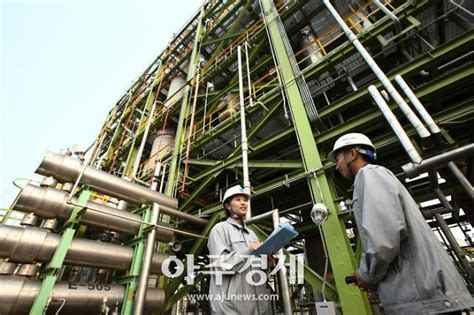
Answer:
[(413, 272), (230, 240)]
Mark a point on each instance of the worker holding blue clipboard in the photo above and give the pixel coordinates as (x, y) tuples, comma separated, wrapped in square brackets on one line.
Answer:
[(233, 249)]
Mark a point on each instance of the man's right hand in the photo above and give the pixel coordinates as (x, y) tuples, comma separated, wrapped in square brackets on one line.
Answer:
[(364, 286)]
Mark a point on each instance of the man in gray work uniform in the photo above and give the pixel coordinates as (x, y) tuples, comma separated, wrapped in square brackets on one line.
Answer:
[(401, 258), (229, 242)]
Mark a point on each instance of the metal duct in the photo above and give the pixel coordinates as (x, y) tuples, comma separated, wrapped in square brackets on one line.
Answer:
[(38, 245), (65, 168), (17, 295), (52, 203), (176, 90), (161, 147)]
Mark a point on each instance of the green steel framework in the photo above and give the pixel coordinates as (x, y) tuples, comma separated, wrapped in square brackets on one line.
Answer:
[(213, 34), (311, 165)]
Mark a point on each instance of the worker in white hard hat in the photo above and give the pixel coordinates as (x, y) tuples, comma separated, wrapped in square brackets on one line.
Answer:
[(401, 257), (346, 147), (230, 246)]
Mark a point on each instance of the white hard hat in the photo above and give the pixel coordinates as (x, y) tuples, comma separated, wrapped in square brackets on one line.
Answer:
[(352, 139), (232, 191)]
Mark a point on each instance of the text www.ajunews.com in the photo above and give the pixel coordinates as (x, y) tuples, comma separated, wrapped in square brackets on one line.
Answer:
[(232, 297)]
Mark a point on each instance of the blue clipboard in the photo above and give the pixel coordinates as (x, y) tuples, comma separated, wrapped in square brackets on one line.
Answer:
[(281, 236)]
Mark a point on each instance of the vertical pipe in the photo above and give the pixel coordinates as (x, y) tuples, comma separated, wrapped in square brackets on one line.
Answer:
[(285, 291), (148, 255), (397, 128), (417, 104), (414, 120), (249, 82), (245, 166), (162, 178), (136, 164), (208, 85), (190, 134)]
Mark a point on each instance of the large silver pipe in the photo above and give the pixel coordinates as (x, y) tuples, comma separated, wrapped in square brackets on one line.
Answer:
[(27, 245), (142, 287), (65, 168), (245, 161), (17, 295), (417, 104), (52, 203), (412, 170), (396, 127), (285, 290), (414, 120)]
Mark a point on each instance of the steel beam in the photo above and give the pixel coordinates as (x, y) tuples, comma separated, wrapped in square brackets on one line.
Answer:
[(352, 300)]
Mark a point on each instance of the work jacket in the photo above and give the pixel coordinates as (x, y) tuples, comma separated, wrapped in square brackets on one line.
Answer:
[(230, 241), (401, 255)]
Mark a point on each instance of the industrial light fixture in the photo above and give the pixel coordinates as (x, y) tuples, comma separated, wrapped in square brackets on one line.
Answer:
[(319, 213)]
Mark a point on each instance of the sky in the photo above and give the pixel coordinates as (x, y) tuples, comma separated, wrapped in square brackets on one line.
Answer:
[(64, 64)]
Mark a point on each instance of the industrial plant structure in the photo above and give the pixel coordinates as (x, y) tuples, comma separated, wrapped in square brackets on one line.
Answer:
[(252, 93)]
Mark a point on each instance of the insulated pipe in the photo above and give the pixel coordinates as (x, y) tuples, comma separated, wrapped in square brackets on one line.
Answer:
[(397, 128), (412, 170), (65, 168), (388, 13), (51, 203), (414, 120), (28, 245), (285, 291), (440, 159), (245, 162), (17, 295), (249, 81), (417, 104), (142, 287)]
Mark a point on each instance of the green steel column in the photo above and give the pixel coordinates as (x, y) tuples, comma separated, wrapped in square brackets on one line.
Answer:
[(131, 280), (51, 269), (173, 170), (352, 300)]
